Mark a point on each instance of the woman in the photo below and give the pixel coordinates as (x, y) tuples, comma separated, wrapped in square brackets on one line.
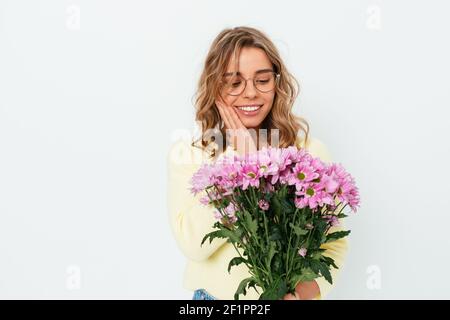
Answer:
[(244, 91)]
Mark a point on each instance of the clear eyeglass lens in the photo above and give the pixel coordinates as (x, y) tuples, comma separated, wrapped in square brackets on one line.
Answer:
[(264, 82)]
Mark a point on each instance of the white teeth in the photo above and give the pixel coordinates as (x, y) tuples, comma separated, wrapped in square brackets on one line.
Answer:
[(249, 108)]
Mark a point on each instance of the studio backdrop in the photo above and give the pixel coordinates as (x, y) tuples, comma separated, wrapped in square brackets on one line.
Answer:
[(94, 93)]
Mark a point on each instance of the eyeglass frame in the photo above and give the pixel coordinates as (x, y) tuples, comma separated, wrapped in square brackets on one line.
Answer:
[(277, 77)]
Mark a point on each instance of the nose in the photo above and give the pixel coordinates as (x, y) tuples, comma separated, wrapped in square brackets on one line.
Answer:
[(250, 90)]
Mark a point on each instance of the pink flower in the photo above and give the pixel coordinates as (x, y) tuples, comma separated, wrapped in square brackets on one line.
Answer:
[(330, 183), (311, 196), (302, 174), (228, 212), (302, 252), (250, 175), (203, 178), (332, 220), (230, 209), (264, 163), (280, 159), (263, 204), (205, 200), (346, 190), (218, 215), (229, 176), (268, 187)]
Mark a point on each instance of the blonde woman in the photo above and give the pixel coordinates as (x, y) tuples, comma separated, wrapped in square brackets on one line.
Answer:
[(245, 94)]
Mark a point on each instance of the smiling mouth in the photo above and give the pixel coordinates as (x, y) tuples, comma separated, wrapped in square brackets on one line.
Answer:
[(249, 109)]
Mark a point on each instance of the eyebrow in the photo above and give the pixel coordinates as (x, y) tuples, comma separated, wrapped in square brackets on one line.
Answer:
[(239, 73)]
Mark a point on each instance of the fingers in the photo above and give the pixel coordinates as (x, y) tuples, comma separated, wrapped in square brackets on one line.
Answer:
[(224, 114), (229, 122), (229, 113), (290, 296), (241, 138), (236, 118), (307, 290)]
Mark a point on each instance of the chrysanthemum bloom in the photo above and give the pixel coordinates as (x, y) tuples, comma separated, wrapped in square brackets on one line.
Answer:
[(229, 213), (203, 178), (312, 197), (264, 163), (302, 174), (218, 215), (346, 191), (250, 176), (302, 252), (332, 220), (263, 204), (205, 200), (230, 176), (230, 209), (329, 183), (279, 160), (268, 187)]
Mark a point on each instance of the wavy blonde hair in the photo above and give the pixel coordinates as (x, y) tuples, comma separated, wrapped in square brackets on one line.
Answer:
[(228, 43)]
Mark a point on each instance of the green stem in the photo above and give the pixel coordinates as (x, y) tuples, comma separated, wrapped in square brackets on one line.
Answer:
[(235, 247), (288, 255), (268, 245)]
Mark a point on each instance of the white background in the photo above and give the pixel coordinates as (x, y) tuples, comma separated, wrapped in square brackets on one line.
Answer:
[(92, 93)]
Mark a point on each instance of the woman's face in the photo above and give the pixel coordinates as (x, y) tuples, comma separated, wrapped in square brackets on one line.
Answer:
[(251, 62)]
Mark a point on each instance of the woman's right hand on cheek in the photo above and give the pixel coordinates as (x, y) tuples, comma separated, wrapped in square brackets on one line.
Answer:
[(241, 139)]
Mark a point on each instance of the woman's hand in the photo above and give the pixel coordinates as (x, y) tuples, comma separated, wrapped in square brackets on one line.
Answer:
[(240, 136), (304, 291)]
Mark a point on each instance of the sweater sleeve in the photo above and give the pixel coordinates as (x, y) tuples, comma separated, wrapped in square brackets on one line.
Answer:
[(336, 250), (190, 220)]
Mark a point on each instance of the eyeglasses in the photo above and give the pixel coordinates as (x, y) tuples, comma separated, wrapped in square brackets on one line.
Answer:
[(235, 84)]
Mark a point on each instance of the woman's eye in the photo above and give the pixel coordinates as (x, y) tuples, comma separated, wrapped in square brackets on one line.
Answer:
[(262, 81), (235, 84)]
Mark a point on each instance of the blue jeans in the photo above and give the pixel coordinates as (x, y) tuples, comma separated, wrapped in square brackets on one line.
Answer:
[(202, 294)]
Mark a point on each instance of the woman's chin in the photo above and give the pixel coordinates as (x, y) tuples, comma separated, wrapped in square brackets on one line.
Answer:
[(251, 124)]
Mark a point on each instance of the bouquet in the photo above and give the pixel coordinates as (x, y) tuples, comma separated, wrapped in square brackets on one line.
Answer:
[(276, 206)]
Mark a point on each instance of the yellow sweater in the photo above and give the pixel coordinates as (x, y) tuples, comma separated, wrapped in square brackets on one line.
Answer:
[(190, 221)]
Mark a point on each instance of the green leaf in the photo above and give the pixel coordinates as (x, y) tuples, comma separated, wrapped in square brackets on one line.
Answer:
[(211, 236), (329, 261), (287, 206), (242, 287), (315, 266), (271, 253), (303, 275), (320, 226), (235, 262), (277, 265), (316, 255), (337, 235), (276, 205), (251, 224), (252, 283), (325, 271), (297, 230), (275, 233), (276, 291), (222, 233)]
